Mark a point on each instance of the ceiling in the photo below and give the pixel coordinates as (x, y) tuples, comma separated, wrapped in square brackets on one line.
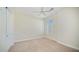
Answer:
[(35, 11)]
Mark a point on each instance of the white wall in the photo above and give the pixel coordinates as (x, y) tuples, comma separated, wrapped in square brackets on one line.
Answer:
[(18, 26), (65, 27), (27, 26)]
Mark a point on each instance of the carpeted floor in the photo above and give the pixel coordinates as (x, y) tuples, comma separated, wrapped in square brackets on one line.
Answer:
[(40, 45)]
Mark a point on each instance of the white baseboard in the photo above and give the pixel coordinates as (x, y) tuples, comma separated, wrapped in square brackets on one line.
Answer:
[(65, 44), (48, 37), (10, 46), (30, 38)]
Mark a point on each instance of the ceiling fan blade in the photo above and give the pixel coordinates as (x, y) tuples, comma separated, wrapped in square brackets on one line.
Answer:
[(50, 9), (41, 11)]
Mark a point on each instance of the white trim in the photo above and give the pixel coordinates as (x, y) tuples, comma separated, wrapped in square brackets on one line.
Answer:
[(65, 44), (10, 46), (31, 38), (48, 37)]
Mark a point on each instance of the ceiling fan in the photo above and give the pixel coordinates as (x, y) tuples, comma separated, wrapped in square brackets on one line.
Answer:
[(45, 10)]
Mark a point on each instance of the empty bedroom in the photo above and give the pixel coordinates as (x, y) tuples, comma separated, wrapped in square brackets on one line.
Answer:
[(39, 29)]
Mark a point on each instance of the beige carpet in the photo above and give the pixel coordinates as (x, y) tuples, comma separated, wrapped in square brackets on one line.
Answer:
[(40, 45)]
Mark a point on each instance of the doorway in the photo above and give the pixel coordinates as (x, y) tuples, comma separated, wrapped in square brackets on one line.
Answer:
[(6, 29)]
